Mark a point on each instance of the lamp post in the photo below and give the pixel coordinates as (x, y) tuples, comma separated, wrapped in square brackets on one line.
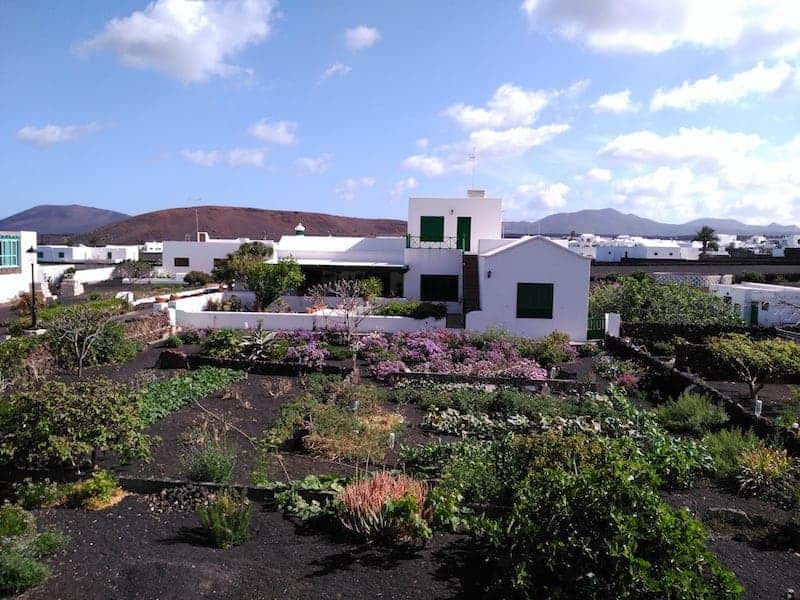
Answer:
[(32, 250)]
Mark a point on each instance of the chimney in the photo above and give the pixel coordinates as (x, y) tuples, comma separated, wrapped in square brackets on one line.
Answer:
[(202, 236), (476, 193), (299, 230)]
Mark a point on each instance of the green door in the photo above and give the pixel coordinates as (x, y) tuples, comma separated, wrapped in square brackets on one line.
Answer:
[(463, 233), (753, 314)]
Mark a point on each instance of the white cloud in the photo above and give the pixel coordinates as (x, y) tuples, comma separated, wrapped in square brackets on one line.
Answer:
[(513, 142), (753, 27), (695, 145), (336, 69), (423, 143), (348, 189), (597, 174), (402, 187), (236, 157), (535, 199), (619, 102), (509, 106), (277, 132), (361, 37), (50, 135), (190, 40), (428, 165), (315, 165), (759, 80)]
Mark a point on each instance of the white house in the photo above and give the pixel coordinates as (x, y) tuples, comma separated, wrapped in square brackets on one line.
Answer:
[(762, 304), (203, 254), (87, 254), (532, 286), (16, 263)]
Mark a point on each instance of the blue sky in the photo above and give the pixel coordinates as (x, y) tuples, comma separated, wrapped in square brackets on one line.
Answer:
[(668, 109)]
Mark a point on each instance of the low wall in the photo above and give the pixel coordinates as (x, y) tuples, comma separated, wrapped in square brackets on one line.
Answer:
[(196, 361), (567, 386), (199, 319), (674, 382)]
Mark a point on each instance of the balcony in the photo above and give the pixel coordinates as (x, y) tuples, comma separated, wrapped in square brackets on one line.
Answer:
[(447, 243)]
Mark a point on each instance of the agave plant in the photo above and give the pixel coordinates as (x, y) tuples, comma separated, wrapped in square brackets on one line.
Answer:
[(258, 346)]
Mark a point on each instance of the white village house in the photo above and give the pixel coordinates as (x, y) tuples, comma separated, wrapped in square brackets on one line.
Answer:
[(86, 254), (762, 304), (453, 253), (15, 263)]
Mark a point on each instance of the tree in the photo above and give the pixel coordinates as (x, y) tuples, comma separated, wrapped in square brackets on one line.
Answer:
[(77, 330), (639, 298), (235, 265), (268, 281), (755, 362), (354, 300), (708, 238)]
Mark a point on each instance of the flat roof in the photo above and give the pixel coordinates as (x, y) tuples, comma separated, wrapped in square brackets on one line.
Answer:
[(324, 262)]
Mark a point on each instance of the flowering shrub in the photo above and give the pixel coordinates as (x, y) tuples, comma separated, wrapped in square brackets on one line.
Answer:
[(388, 367), (312, 354), (386, 507)]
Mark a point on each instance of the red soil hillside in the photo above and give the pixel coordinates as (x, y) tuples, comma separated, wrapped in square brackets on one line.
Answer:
[(231, 222)]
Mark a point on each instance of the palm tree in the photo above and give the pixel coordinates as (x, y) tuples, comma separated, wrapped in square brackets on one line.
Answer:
[(708, 238)]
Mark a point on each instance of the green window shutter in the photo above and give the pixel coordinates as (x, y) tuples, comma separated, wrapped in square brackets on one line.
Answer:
[(534, 300), (431, 229)]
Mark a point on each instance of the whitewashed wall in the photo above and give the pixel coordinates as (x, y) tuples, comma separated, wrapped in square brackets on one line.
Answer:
[(486, 216), (12, 283), (537, 260), (432, 261)]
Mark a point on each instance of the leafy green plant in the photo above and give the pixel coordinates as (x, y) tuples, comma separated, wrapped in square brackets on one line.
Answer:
[(209, 456), (41, 494), (790, 412), (196, 278), (691, 413), (269, 280), (764, 472), (161, 398), (223, 343), (413, 309), (14, 521), (726, 449), (227, 518), (21, 548), (52, 422), (99, 490), (45, 315), (173, 341)]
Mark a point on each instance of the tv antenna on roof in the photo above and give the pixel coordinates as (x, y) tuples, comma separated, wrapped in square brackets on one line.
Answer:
[(472, 158)]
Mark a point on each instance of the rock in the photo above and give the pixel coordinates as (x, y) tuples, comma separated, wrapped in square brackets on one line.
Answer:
[(172, 359), (729, 515)]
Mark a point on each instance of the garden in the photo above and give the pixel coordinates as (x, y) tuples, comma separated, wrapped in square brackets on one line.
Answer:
[(337, 464)]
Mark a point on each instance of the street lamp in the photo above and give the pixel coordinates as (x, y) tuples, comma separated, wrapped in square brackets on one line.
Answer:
[(33, 250)]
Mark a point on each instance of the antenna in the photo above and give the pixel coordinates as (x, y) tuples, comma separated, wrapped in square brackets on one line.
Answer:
[(197, 222), (472, 159)]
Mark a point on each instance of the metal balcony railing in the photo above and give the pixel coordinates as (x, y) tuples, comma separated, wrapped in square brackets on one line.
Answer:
[(414, 241)]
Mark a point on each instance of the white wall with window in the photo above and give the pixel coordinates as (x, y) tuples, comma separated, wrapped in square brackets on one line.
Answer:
[(761, 304), (15, 263), (454, 222), (532, 287), (432, 262), (178, 258)]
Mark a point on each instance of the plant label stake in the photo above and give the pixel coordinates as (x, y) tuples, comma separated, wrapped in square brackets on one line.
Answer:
[(759, 405)]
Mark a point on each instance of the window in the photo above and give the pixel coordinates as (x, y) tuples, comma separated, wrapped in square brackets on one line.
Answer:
[(220, 263), (431, 229), (181, 261), (40, 254), (765, 306), (534, 300), (438, 288), (9, 251), (108, 255), (60, 255)]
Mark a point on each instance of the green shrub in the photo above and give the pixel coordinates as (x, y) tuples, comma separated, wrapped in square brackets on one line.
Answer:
[(765, 472), (223, 343), (13, 353), (752, 276), (40, 494), (726, 449), (19, 572), (691, 413), (413, 309), (340, 353), (209, 457), (196, 278), (551, 349), (14, 521), (98, 490), (45, 315), (572, 534), (160, 398), (190, 336), (790, 412), (227, 519), (51, 422), (173, 341)]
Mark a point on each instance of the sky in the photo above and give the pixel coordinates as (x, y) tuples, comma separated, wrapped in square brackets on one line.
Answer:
[(670, 109)]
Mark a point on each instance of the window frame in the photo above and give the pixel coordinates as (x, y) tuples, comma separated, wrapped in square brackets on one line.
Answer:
[(545, 310), (10, 252), (175, 262)]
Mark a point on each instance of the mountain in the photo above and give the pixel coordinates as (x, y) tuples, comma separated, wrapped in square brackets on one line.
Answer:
[(60, 219), (234, 222), (608, 221)]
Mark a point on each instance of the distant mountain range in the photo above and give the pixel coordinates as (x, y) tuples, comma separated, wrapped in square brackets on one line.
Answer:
[(87, 225), (60, 219), (608, 221)]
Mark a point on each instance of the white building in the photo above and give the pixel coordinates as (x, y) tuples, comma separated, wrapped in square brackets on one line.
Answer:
[(16, 262), (151, 248), (786, 242), (762, 304), (178, 258), (453, 253), (87, 254)]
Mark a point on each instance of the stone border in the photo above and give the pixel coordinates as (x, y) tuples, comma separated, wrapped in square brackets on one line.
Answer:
[(678, 381), (263, 368)]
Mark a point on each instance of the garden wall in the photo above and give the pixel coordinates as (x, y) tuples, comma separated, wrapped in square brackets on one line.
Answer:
[(673, 382), (569, 386)]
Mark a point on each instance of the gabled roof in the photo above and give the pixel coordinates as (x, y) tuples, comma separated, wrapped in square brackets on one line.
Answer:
[(534, 239)]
